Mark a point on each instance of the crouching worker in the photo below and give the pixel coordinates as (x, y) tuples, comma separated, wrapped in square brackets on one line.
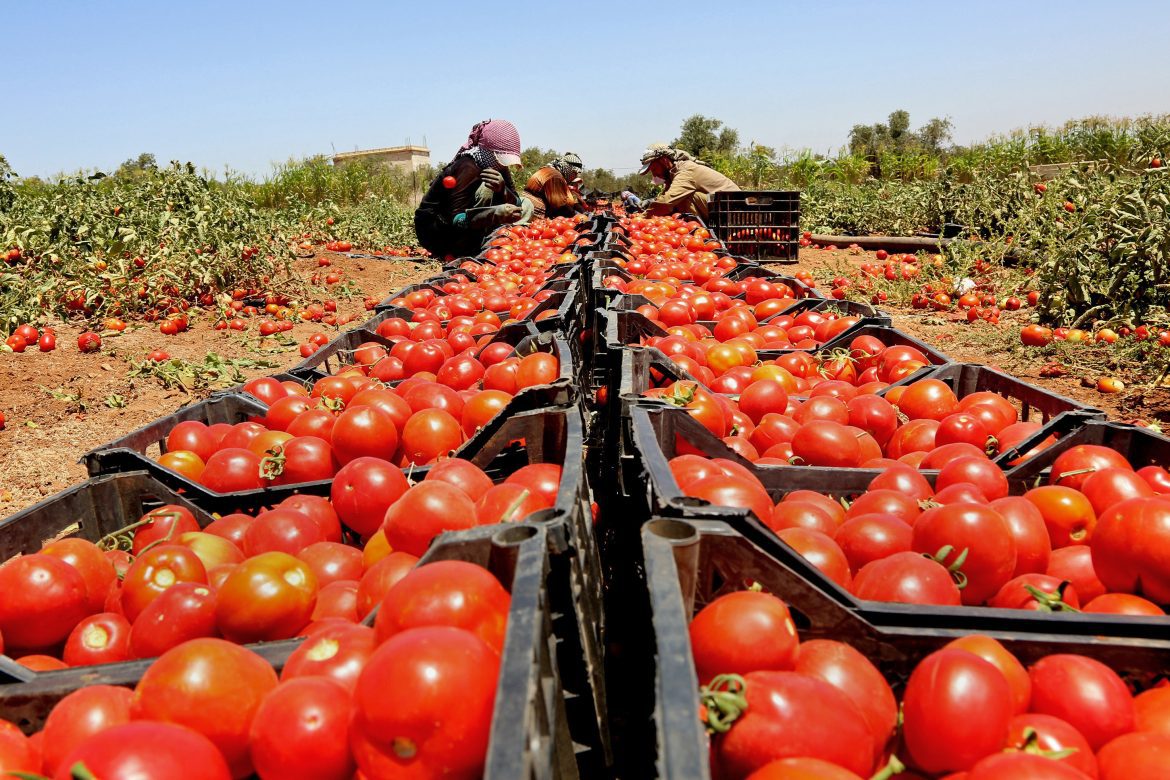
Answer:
[(473, 194), (551, 189), (689, 182)]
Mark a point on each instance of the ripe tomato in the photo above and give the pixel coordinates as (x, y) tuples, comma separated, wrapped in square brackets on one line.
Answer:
[(1141, 754), (446, 593), (281, 529), (184, 611), (821, 551), (463, 474), (44, 598), (1033, 545), (210, 686), (977, 471), (791, 715), (1084, 692), (364, 431), (1130, 548), (300, 731), (1053, 736), (332, 562), (765, 636), (148, 749), (338, 652), (270, 596), (927, 399), (853, 674), (156, 570), (80, 715), (943, 690), (425, 511), (908, 578), (429, 435), (865, 538), (194, 436), (165, 524), (231, 470), (363, 490), (1067, 514), (99, 639), (1108, 487), (976, 534), (450, 676), (1022, 766), (93, 565), (1073, 467)]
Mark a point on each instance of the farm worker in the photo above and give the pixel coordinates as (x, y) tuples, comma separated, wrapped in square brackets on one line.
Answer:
[(689, 182), (474, 193), (632, 201), (550, 189)]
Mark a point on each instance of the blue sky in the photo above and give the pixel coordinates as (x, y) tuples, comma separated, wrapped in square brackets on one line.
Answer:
[(245, 84)]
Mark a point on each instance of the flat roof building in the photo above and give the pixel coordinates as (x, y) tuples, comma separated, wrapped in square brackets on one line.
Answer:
[(408, 158)]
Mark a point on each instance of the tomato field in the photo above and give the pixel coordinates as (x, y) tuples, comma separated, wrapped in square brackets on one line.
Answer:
[(285, 497)]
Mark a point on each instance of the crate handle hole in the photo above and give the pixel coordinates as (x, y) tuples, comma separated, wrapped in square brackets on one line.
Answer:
[(674, 530), (516, 534)]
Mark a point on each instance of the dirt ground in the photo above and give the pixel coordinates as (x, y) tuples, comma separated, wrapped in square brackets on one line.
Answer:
[(45, 436)]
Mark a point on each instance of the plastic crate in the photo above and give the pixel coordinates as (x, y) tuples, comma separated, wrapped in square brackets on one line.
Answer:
[(757, 223), (534, 731), (689, 564), (1140, 446)]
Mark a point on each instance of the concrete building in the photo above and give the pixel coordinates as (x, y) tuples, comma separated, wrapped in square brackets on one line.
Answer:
[(407, 158)]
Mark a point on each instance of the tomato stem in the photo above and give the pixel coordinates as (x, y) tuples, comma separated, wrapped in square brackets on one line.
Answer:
[(724, 700), (1051, 602), (892, 768), (955, 568), (80, 772)]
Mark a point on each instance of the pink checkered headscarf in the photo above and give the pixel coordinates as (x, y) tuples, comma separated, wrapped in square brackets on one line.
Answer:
[(499, 136)]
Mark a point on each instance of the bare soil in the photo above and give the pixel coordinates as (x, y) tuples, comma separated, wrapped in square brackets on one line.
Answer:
[(45, 436)]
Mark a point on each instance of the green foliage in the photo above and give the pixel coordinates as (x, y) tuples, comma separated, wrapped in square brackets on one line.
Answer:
[(706, 137), (7, 188), (316, 180), (137, 166)]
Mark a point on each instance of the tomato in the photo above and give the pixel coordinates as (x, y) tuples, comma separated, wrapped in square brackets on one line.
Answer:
[(281, 529), (319, 509), (1123, 604), (160, 751), (1142, 754), (903, 479), (801, 514), (429, 435), (1038, 592), (449, 676), (1022, 766), (89, 561), (764, 636), (723, 490), (853, 674), (1075, 564), (184, 611), (332, 562), (914, 436), (165, 524), (942, 691), (908, 578), (1067, 513), (231, 470), (300, 731), (364, 431), (231, 527), (791, 715), (1107, 487), (763, 397), (1084, 692), (89, 342), (446, 593), (1053, 736), (1152, 710), (927, 399), (338, 652), (1157, 477), (979, 536), (314, 422), (44, 598), (425, 511), (267, 597), (363, 490), (99, 639), (1131, 548), (80, 715), (821, 551), (1035, 335), (980, 472), (193, 436), (543, 479), (826, 443), (156, 570), (267, 389), (865, 538), (507, 504), (1075, 465), (463, 474), (211, 686)]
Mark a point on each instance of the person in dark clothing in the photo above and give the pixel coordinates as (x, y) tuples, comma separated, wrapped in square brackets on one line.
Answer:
[(473, 194)]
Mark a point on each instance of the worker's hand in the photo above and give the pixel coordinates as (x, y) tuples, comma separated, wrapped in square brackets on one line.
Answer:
[(495, 215), (508, 213), (492, 179)]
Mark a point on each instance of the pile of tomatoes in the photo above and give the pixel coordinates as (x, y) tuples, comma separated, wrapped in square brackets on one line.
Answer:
[(779, 708), (1092, 539), (209, 709), (27, 335), (311, 435)]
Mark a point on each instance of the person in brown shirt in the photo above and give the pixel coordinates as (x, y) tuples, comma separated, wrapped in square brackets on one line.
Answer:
[(550, 189), (689, 182)]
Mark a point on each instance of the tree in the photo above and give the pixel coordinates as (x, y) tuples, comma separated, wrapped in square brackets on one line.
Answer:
[(136, 166), (7, 190), (706, 137)]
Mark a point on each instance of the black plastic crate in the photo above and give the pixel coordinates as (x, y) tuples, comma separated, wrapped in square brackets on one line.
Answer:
[(534, 730), (757, 223), (689, 564), (1141, 446)]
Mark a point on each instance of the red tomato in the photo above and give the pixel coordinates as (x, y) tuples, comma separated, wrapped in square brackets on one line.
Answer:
[(446, 593), (363, 490), (425, 511), (89, 561), (80, 715), (1084, 692), (1075, 465), (1142, 754), (283, 530), (231, 470), (1022, 766), (1033, 546), (866, 538), (44, 598), (338, 652), (429, 435), (1075, 564), (99, 639), (792, 715), (908, 578), (1131, 548), (821, 551), (1052, 735), (332, 562), (211, 686), (927, 399), (975, 540), (463, 474), (156, 570), (944, 689), (267, 597), (148, 749), (364, 431), (183, 611), (765, 636), (450, 676), (301, 729)]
